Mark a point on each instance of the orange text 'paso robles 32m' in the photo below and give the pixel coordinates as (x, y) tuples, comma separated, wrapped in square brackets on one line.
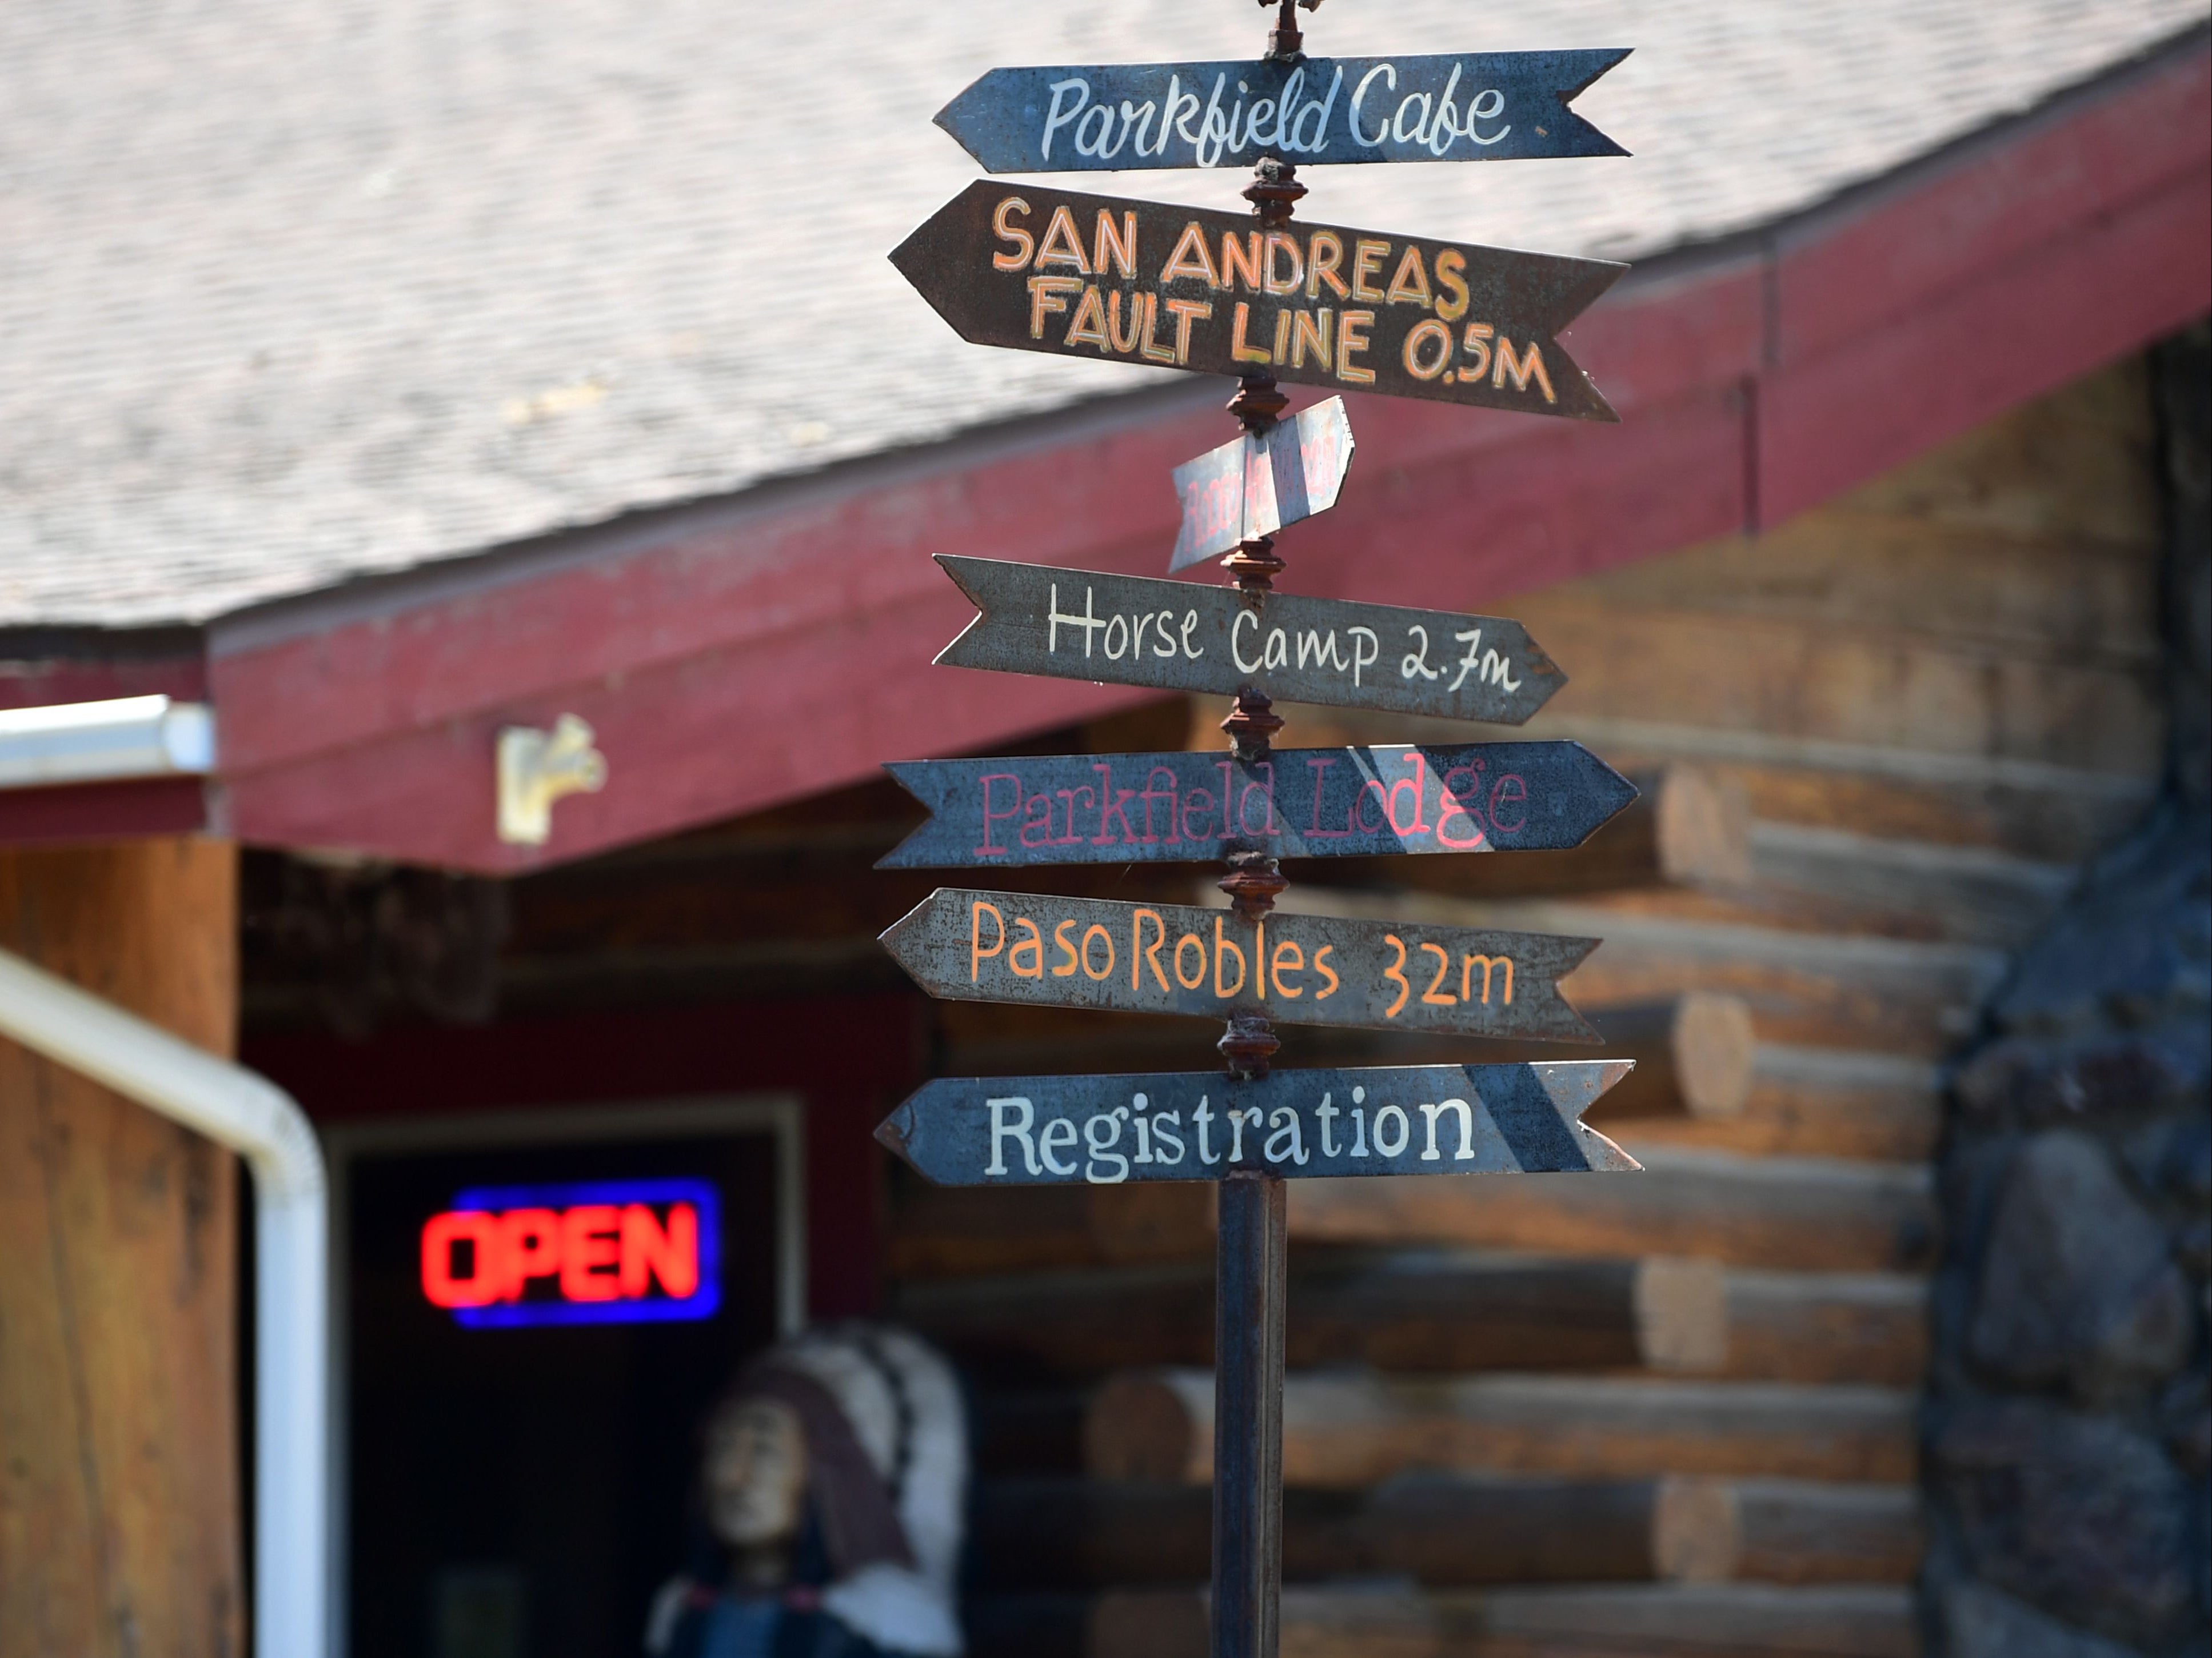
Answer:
[(1180, 958)]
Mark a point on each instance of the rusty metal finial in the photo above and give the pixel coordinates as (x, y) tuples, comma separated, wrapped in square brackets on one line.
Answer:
[(1274, 192), (1284, 43), (1248, 1045), (1252, 725)]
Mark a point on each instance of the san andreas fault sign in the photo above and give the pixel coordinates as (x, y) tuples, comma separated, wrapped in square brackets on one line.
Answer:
[(1211, 292)]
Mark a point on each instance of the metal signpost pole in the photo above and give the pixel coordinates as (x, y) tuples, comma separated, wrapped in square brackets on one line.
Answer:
[(1045, 270), (1251, 1232)]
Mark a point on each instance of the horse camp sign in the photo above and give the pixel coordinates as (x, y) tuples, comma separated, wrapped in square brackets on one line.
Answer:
[(1267, 298)]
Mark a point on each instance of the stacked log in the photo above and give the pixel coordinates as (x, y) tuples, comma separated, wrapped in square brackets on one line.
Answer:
[(1665, 1413), (1585, 1621), (1454, 1530), (1343, 1429)]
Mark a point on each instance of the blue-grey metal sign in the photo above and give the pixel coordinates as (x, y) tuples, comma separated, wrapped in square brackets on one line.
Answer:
[(1255, 485), (1051, 951), (1180, 636), (1167, 807), (1454, 107), (1301, 1125)]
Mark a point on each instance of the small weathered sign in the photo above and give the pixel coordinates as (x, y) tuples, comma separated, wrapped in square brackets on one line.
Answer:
[(1458, 106), (1255, 485), (1214, 293), (1303, 1125), (1179, 636), (1052, 952), (1297, 803)]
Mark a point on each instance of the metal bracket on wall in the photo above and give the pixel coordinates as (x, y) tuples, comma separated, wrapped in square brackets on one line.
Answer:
[(535, 769)]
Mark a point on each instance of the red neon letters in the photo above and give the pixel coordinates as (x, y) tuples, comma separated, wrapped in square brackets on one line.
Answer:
[(597, 1252)]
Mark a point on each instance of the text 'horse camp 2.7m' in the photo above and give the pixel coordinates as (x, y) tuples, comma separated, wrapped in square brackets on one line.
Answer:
[(1268, 299)]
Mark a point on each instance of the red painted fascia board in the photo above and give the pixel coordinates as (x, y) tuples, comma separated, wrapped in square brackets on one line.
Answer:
[(2046, 315), (780, 646), (804, 560), (809, 557), (39, 681), (77, 813), (1896, 250), (719, 732)]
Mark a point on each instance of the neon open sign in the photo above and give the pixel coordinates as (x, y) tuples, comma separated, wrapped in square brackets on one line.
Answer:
[(600, 1252)]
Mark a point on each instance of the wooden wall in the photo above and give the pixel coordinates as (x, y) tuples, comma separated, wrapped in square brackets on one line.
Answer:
[(120, 1516), (1660, 1413), (1890, 730)]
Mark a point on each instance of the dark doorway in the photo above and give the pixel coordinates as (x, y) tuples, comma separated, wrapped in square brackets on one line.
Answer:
[(521, 1493)]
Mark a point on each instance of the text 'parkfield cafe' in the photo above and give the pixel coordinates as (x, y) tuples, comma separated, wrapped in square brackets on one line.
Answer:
[(774, 885)]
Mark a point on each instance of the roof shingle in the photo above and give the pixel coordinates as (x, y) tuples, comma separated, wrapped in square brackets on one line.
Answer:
[(298, 291)]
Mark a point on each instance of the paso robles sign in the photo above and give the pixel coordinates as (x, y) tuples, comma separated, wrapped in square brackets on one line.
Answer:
[(1178, 958)]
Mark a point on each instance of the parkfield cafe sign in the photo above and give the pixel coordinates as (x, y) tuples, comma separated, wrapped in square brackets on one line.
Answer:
[(1464, 106), (1267, 298)]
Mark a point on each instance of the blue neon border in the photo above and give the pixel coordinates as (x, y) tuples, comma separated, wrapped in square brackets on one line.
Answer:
[(703, 1303)]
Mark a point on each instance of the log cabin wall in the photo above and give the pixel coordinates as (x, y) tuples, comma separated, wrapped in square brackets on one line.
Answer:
[(1662, 1413)]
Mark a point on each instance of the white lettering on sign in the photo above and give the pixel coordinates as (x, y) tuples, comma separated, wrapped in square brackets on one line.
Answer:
[(1107, 1144), (1231, 122), (1255, 648), (1124, 635)]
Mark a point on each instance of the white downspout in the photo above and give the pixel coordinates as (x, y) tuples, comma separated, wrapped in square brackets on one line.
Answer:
[(261, 1122)]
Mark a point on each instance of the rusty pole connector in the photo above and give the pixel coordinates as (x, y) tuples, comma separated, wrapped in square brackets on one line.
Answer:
[(1255, 880), (1284, 41)]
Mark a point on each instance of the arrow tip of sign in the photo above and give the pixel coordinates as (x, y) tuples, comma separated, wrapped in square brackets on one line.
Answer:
[(948, 118), (1605, 1157), (893, 1133)]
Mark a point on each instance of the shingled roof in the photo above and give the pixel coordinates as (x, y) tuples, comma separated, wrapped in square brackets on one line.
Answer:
[(302, 291)]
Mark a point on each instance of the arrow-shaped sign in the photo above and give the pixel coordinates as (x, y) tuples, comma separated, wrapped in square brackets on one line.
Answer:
[(1214, 293), (1254, 486), (1458, 106), (1179, 636), (1304, 1125), (1296, 970), (1299, 803)]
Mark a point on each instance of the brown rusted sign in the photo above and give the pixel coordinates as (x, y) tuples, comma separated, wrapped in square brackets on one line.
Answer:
[(1026, 811), (1041, 270), (1179, 636), (1177, 958), (1256, 485), (1301, 1124)]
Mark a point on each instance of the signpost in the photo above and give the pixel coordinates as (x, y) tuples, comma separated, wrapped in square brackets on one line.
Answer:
[(1260, 483), (1299, 1125), (1196, 288), (1048, 951), (1458, 106), (1177, 637), (1297, 803), (1034, 268)]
